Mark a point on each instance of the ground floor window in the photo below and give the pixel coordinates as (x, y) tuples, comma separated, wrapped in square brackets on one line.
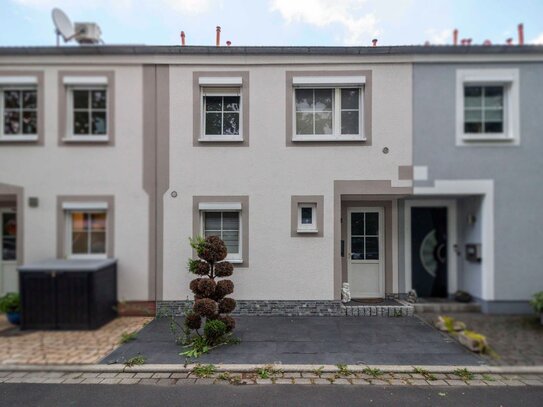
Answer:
[(87, 231), (226, 225)]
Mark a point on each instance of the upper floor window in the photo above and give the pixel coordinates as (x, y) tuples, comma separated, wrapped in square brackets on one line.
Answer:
[(86, 107), (222, 113), (223, 108), (328, 108), (487, 106), (89, 113), (18, 108)]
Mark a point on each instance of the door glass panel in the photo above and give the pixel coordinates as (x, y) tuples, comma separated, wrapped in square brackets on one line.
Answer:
[(357, 248), (372, 248), (372, 223), (9, 232), (357, 223)]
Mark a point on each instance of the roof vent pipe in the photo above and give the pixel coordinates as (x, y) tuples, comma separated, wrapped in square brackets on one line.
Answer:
[(509, 41), (374, 42), (218, 41), (455, 37), (520, 34), (228, 43), (183, 38)]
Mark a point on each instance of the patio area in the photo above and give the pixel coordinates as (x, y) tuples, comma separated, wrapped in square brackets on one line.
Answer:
[(516, 339), (310, 340), (63, 347)]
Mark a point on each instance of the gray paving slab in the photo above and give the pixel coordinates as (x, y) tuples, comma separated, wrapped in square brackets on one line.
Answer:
[(311, 340)]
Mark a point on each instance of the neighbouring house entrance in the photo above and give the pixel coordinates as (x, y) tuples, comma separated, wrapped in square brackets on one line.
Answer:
[(366, 252), (8, 255), (429, 251)]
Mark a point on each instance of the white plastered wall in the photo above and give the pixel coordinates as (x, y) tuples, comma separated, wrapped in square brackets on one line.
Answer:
[(281, 267)]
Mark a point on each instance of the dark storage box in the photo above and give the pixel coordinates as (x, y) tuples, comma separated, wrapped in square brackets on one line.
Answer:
[(68, 294)]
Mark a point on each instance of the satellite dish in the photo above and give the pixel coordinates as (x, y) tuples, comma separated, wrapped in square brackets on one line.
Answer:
[(63, 25)]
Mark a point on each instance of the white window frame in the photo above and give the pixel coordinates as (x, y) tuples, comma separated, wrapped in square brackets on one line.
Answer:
[(71, 86), (20, 85), (336, 84), (68, 234), (226, 92), (226, 207), (307, 227), (509, 80)]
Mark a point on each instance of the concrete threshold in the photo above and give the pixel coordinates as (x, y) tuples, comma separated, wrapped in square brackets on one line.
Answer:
[(241, 368)]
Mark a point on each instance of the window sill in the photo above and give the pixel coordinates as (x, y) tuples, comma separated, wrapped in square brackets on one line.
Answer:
[(490, 137), (87, 256), (328, 138), (307, 231), (18, 139), (234, 261), (86, 139), (213, 139)]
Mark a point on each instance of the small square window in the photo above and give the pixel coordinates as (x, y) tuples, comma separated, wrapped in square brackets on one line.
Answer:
[(221, 115), (487, 106), (19, 117), (86, 233), (307, 222), (88, 114)]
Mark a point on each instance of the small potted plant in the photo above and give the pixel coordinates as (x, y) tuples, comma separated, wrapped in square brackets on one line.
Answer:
[(537, 304), (10, 304)]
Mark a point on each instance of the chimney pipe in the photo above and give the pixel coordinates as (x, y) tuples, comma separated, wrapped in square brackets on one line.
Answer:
[(183, 38), (520, 34), (509, 41), (218, 41), (228, 43), (374, 42), (455, 37)]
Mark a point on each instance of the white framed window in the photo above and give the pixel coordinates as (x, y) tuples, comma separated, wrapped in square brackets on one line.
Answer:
[(18, 112), (87, 113), (221, 114), (86, 233), (307, 218), (224, 221), (487, 107)]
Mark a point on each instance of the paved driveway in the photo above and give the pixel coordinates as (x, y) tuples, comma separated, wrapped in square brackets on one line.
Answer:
[(311, 340)]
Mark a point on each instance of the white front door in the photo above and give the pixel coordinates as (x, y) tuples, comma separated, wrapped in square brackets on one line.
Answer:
[(366, 252), (8, 252)]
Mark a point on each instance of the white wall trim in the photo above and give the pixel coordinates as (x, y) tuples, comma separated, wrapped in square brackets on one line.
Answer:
[(452, 237), (85, 80), (510, 79), (219, 206), (474, 187), (82, 206), (329, 80), (18, 80), (220, 81)]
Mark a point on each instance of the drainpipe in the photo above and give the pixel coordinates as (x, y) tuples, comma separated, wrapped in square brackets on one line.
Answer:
[(218, 40)]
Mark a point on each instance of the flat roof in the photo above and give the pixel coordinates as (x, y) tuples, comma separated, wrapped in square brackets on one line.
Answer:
[(272, 50)]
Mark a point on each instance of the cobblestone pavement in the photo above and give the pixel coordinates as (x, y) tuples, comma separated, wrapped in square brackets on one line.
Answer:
[(517, 340), (64, 347), (251, 378)]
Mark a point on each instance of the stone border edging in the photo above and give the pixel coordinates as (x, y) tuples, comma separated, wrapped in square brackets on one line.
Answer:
[(178, 368)]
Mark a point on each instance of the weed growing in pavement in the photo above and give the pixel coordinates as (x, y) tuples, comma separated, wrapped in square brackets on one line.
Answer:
[(203, 371), (464, 374), (318, 371), (372, 372), (135, 361), (425, 373), (344, 370), (128, 337), (267, 372)]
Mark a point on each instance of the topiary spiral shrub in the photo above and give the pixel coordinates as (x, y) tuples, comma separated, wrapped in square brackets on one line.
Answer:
[(211, 307)]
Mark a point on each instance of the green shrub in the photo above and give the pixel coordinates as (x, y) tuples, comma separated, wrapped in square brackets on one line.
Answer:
[(537, 302), (11, 302), (214, 330)]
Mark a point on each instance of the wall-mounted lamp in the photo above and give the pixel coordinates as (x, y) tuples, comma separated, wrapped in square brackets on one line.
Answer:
[(33, 201)]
